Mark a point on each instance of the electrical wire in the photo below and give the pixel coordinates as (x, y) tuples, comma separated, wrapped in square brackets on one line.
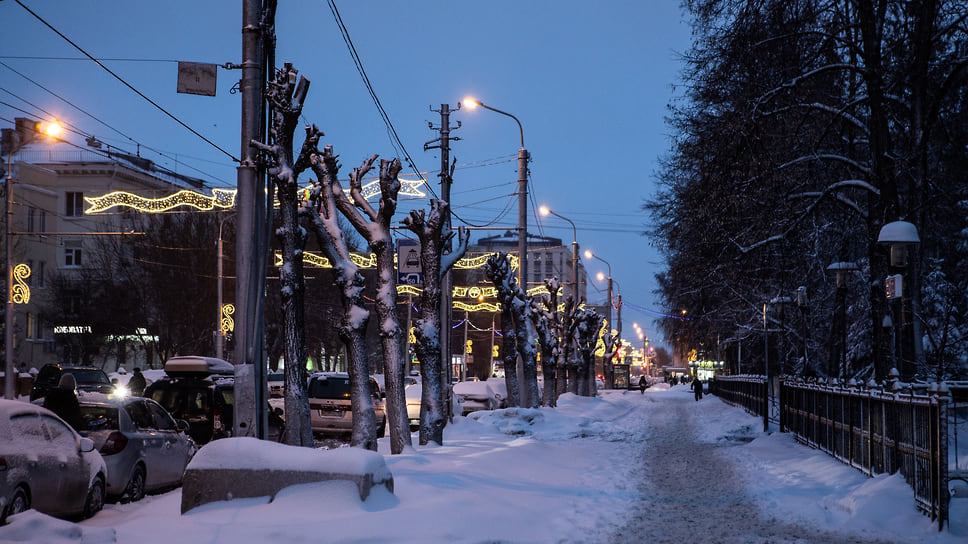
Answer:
[(126, 84)]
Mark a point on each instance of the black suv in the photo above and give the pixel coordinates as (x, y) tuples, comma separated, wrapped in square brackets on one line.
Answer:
[(88, 379), (201, 390)]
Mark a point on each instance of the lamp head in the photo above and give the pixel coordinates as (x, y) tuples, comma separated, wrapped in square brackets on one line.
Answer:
[(51, 129), (544, 210), (470, 102), (588, 254), (600, 276)]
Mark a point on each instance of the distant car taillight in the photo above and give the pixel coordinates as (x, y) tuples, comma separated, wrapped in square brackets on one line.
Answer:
[(114, 443)]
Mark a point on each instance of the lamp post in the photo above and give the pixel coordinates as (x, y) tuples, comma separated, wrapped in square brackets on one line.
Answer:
[(574, 251), (522, 195), (841, 271), (901, 237), (608, 303), (9, 382)]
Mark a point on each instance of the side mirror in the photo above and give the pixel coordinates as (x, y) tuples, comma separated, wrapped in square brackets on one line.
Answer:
[(182, 425), (86, 445)]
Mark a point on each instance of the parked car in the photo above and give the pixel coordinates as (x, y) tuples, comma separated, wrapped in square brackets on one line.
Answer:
[(414, 393), (46, 465), (87, 378), (490, 394), (330, 410), (199, 390), (144, 448), (277, 384)]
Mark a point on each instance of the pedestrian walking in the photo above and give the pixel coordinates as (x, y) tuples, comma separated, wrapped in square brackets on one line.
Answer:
[(642, 384), (697, 387)]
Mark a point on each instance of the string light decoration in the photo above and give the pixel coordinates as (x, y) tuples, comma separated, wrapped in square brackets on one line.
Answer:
[(314, 259), (479, 307), (600, 344), (221, 198), (20, 292), (228, 324)]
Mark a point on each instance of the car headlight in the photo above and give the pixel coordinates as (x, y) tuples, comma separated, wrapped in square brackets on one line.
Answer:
[(121, 391)]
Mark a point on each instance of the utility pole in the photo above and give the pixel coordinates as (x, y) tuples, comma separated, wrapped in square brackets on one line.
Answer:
[(251, 418), (446, 179)]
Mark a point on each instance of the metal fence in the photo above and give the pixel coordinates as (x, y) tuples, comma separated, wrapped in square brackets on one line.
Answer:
[(874, 431), (749, 392)]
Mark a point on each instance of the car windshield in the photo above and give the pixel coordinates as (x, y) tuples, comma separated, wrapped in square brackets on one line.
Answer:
[(89, 375), (98, 418), (329, 387)]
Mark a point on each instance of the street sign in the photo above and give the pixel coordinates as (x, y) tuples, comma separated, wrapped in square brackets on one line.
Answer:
[(409, 271)]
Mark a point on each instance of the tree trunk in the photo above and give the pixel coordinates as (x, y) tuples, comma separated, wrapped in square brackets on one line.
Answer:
[(374, 227), (434, 264)]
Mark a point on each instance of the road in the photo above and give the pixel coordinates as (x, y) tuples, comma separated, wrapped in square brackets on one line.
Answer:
[(692, 493)]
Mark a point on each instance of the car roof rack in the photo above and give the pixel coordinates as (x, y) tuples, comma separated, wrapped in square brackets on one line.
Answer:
[(193, 365)]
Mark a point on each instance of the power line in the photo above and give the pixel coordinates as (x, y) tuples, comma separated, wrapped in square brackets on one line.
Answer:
[(126, 84)]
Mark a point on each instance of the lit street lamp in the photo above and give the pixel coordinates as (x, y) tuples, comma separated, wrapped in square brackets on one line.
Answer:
[(51, 130), (522, 195), (574, 252), (608, 303), (901, 237)]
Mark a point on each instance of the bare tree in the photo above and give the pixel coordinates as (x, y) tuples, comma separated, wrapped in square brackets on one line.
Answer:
[(544, 316), (323, 218), (433, 233), (374, 226), (588, 323), (286, 97), (498, 270), (568, 363)]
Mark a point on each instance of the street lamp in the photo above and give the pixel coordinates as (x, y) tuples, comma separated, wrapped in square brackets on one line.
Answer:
[(608, 304), (51, 130), (901, 237), (574, 251), (841, 271), (472, 103)]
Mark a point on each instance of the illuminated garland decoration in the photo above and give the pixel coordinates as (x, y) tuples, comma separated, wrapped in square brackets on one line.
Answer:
[(228, 324), (479, 307), (311, 258), (221, 198), (20, 292)]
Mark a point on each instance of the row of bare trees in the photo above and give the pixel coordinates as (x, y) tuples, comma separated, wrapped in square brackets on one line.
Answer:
[(319, 213)]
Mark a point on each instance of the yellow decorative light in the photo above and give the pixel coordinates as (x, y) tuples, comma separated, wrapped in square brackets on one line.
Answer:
[(228, 324), (409, 290), (478, 262), (221, 198), (20, 292), (479, 307)]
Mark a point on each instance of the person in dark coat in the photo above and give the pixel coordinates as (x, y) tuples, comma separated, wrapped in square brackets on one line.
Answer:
[(136, 385), (697, 387), (62, 400), (642, 384)]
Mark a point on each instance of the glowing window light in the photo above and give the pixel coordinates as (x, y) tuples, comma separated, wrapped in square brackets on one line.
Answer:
[(228, 324), (221, 198), (20, 292)]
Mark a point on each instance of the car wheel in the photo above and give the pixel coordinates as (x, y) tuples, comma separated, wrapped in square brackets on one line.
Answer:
[(95, 498), (136, 486), (20, 502)]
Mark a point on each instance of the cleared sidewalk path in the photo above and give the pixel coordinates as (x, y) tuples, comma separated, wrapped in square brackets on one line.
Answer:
[(692, 492)]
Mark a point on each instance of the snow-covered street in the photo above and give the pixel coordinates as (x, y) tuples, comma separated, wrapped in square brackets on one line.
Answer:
[(622, 467)]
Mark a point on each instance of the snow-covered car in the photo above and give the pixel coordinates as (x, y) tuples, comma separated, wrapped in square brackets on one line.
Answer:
[(46, 465), (143, 447), (87, 379), (481, 395)]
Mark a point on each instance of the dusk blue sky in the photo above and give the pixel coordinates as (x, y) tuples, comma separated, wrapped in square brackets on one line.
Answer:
[(589, 81)]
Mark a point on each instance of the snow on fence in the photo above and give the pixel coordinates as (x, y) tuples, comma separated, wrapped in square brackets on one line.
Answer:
[(872, 430)]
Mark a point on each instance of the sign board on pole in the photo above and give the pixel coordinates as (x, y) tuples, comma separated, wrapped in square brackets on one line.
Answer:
[(408, 262), (893, 286), (197, 78)]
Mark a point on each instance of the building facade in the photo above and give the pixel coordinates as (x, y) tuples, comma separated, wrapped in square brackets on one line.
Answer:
[(49, 232)]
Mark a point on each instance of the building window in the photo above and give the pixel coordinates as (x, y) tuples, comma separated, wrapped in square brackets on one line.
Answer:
[(75, 205), (31, 218), (39, 275), (72, 253), (31, 325)]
